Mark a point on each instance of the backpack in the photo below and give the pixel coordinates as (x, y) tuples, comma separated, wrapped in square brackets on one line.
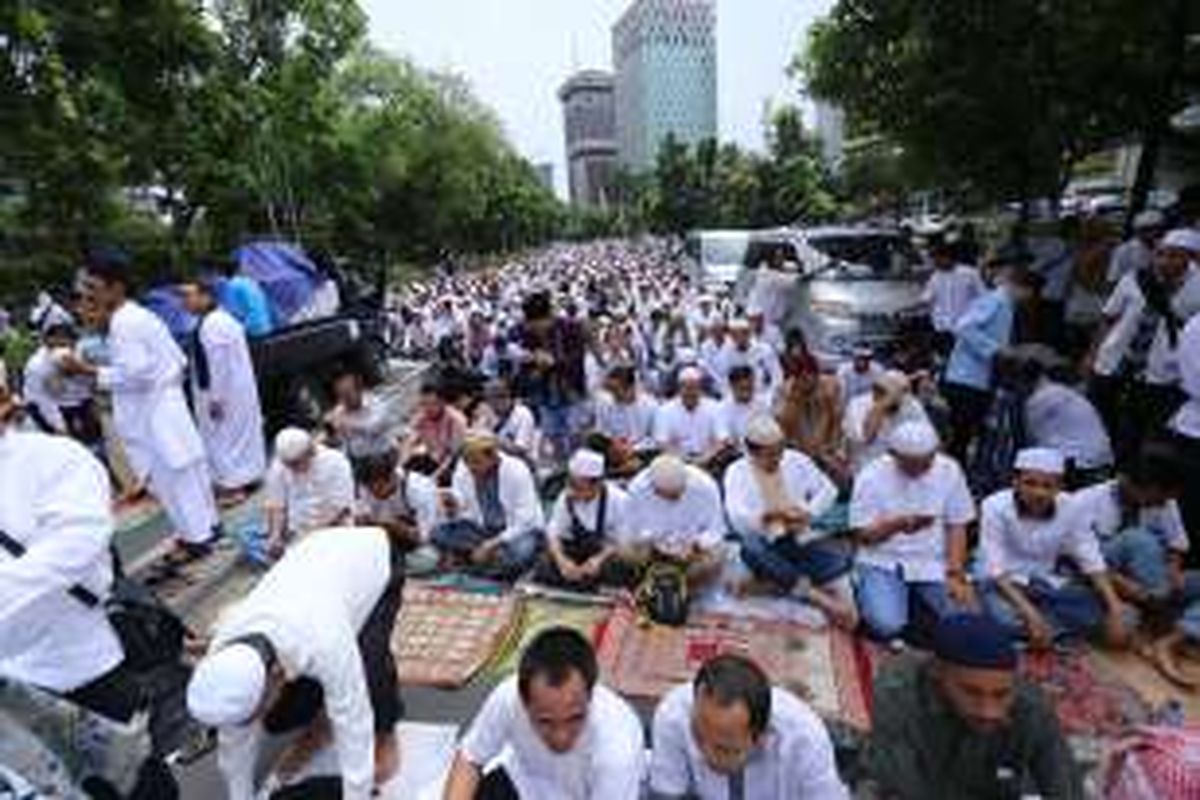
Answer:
[(662, 595)]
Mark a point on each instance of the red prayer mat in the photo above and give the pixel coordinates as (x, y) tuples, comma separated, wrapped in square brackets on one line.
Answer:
[(822, 666), (444, 635)]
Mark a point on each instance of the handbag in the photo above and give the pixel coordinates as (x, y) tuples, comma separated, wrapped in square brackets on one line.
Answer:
[(662, 595), (151, 634)]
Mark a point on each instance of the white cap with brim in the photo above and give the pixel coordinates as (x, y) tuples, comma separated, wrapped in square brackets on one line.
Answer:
[(668, 474), (914, 439), (292, 443), (1183, 239), (586, 464), (1041, 459), (227, 686)]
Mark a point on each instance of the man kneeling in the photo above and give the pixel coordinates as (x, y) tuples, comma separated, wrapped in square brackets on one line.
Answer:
[(561, 735), (308, 649)]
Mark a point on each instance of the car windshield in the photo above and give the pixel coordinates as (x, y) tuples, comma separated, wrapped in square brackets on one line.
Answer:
[(866, 256), (725, 250)]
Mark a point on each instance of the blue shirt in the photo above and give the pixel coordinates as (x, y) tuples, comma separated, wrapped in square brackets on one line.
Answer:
[(245, 300), (982, 331)]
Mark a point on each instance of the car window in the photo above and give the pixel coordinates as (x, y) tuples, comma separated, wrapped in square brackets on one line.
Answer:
[(724, 250), (856, 256), (761, 250)]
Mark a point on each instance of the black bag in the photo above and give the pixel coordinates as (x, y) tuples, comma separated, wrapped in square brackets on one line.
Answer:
[(663, 594), (150, 633)]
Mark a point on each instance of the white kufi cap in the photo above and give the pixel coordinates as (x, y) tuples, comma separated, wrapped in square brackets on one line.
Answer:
[(914, 439), (1041, 459), (669, 474), (764, 431), (292, 443), (227, 686), (586, 464), (1183, 239)]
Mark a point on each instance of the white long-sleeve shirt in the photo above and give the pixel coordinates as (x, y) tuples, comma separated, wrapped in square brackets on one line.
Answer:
[(793, 760), (1187, 421), (768, 371), (689, 433), (518, 494), (54, 500), (949, 294), (803, 481), (311, 606), (673, 526), (1022, 548)]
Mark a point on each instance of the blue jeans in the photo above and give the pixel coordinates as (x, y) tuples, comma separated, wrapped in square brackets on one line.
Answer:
[(460, 537), (888, 602), (560, 424), (783, 562), (1140, 554), (1073, 610)]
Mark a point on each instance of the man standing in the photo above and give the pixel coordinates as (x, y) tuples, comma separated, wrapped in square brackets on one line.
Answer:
[(150, 413), (911, 508), (1137, 253), (556, 732), (963, 726), (309, 486), (494, 519), (289, 658), (950, 291), (1024, 532), (226, 395), (732, 735)]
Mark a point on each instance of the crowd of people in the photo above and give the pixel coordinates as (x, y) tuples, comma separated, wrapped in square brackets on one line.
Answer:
[(598, 418)]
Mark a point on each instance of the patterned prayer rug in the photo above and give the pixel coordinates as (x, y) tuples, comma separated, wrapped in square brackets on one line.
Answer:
[(823, 666), (539, 613), (444, 635)]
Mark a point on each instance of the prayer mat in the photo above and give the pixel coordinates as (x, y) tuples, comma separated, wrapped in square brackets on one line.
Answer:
[(823, 666), (444, 635), (536, 615)]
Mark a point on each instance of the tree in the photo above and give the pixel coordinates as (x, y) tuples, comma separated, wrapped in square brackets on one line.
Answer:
[(1005, 96)]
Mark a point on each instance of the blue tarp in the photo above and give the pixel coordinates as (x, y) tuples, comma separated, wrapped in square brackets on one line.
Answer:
[(287, 276), (166, 303)]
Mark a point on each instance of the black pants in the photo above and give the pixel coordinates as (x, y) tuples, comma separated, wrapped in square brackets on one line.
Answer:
[(615, 572), (303, 699), (496, 785), (1189, 499), (122, 692), (968, 411)]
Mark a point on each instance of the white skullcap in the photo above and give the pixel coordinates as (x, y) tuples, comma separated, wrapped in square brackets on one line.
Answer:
[(1148, 219), (1041, 459), (227, 686), (686, 355), (764, 431), (892, 381), (863, 351), (586, 464), (691, 375), (739, 324), (1183, 239), (668, 474), (914, 439), (292, 443)]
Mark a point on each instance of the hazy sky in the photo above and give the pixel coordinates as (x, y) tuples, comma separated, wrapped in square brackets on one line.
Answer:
[(516, 53)]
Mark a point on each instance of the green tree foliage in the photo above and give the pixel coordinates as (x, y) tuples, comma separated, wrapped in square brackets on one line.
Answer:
[(248, 117), (1004, 95)]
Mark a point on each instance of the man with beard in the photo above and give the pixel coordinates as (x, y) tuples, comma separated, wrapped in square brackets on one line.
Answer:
[(962, 725), (1024, 531)]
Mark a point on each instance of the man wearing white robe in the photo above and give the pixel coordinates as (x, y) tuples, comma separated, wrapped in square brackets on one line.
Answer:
[(150, 414), (228, 413)]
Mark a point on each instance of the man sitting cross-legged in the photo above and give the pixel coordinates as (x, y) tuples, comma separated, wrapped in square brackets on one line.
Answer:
[(772, 495), (587, 528)]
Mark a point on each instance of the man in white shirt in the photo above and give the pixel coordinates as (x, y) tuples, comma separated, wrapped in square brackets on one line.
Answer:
[(359, 420), (150, 413), (1137, 521), (857, 376), (730, 734), (494, 522), (511, 420), (402, 502), (675, 516), (587, 530), (772, 497), (309, 649), (950, 290), (910, 508), (871, 418), (59, 402), (551, 732), (309, 486), (625, 416), (1062, 418), (1023, 533), (741, 404), (743, 349), (1186, 423), (1137, 252), (228, 413), (689, 426)]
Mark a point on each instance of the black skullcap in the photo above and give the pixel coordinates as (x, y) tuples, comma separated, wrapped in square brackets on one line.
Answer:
[(974, 640)]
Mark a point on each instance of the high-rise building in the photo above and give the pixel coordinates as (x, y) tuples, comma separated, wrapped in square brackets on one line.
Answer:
[(589, 120), (665, 57), (545, 174)]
